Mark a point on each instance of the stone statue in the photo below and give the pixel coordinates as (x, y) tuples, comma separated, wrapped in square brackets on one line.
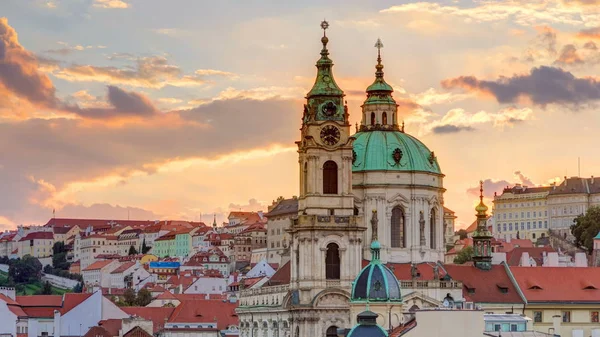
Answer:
[(374, 226), (413, 270), (422, 227), (436, 272)]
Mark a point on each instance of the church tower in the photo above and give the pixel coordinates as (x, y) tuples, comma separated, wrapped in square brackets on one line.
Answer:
[(326, 237), (482, 238)]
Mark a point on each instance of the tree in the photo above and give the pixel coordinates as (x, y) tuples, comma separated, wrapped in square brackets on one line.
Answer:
[(25, 270), (132, 250), (585, 227), (465, 255), (78, 288), (145, 248), (46, 289), (59, 247), (59, 261), (462, 233), (129, 297), (144, 297)]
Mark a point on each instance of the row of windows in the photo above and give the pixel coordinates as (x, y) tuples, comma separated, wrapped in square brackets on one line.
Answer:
[(566, 316), (278, 231), (508, 227), (523, 204), (524, 215)]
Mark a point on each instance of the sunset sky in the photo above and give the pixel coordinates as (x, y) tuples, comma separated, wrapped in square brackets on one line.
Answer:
[(175, 109)]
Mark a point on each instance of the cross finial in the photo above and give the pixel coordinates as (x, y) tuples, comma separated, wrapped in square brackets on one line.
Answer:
[(324, 26), (378, 45), (481, 190)]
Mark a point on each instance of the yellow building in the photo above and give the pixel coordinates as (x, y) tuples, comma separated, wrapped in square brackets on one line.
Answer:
[(148, 258), (521, 210)]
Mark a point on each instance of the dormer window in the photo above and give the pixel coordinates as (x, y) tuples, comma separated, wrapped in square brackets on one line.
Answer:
[(535, 287)]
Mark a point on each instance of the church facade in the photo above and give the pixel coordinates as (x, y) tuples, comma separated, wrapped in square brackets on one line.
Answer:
[(378, 175)]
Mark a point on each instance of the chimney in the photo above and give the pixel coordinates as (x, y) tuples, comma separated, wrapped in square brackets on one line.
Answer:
[(525, 260), (552, 259), (566, 181), (207, 296), (56, 323), (581, 260), (556, 321)]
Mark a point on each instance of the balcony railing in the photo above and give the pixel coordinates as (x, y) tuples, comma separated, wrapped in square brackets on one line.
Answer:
[(422, 284)]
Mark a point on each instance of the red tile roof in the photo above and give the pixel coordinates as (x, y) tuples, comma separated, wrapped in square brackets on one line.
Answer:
[(155, 314), (485, 286), (38, 236), (111, 325), (281, 276), (559, 284), (98, 265), (513, 258), (402, 271), (40, 300), (222, 312), (71, 300), (40, 312), (137, 332), (123, 267), (97, 331), (166, 295)]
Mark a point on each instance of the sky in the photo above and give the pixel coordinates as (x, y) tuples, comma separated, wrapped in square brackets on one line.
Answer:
[(185, 109)]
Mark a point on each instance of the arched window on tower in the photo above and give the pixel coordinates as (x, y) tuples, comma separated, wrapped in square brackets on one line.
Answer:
[(384, 118), (330, 177), (331, 331), (305, 177), (332, 262), (372, 118), (355, 210), (432, 229), (398, 229)]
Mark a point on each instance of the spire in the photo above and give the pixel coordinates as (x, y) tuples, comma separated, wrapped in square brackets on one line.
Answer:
[(215, 220), (324, 83), (380, 85), (482, 238)]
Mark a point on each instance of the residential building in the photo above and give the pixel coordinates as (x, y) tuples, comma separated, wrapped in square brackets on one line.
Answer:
[(128, 275), (98, 273), (163, 269), (36, 244), (574, 196), (521, 212), (253, 237), (279, 219), (8, 244), (164, 246), (210, 259), (183, 242), (207, 285)]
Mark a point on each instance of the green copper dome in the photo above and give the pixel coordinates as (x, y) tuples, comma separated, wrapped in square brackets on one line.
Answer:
[(392, 151)]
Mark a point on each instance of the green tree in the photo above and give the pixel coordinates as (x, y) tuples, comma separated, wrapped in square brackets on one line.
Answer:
[(586, 227), (59, 261), (144, 297), (46, 289), (462, 233), (129, 297), (59, 247), (465, 255), (25, 270), (78, 288), (145, 248), (132, 250)]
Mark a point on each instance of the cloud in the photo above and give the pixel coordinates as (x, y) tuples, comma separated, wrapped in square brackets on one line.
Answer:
[(543, 85), (253, 205), (261, 93), (524, 13), (213, 72), (432, 97), (443, 129), (149, 72), (110, 4), (568, 56), (491, 186), (590, 33), (66, 49), (458, 119), (18, 70)]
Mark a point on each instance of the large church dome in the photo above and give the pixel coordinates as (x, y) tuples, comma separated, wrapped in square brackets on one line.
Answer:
[(392, 151)]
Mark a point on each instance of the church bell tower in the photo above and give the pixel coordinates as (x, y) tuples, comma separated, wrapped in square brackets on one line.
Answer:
[(326, 236)]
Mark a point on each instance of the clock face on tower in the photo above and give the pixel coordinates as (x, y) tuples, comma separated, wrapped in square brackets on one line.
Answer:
[(330, 135)]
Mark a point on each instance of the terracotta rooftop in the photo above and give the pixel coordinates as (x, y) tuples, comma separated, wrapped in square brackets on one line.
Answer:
[(98, 265), (485, 286), (559, 284), (285, 206), (123, 267), (38, 236), (137, 332), (71, 300), (40, 300), (111, 325), (155, 314), (513, 258), (222, 312), (97, 331), (281, 276)]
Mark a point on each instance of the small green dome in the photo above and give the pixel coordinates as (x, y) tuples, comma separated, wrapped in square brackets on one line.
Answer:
[(392, 151), (376, 283)]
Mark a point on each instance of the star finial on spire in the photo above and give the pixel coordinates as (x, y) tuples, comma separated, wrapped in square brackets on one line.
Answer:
[(324, 26)]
